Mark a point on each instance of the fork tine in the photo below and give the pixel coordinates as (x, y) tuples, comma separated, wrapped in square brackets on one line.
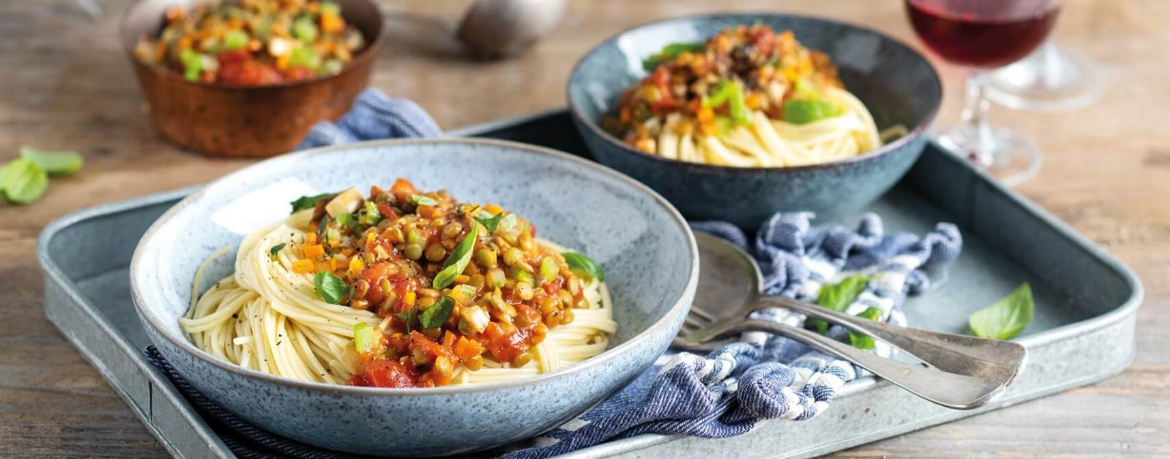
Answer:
[(701, 314), (692, 322)]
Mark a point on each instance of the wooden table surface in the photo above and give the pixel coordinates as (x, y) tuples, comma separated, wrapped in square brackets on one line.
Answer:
[(65, 84)]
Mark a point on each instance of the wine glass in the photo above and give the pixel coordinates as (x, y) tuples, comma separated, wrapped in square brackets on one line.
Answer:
[(1053, 78), (982, 35)]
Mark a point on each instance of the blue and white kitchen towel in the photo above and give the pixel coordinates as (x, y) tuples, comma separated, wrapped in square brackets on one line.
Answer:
[(722, 394)]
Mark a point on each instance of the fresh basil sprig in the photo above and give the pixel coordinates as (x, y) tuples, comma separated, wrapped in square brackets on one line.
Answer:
[(408, 318), (22, 181), (455, 263), (584, 265), (305, 202), (53, 162), (275, 249), (330, 287), (859, 340), (838, 297), (435, 315), (363, 337), (1005, 318), (423, 200), (489, 221)]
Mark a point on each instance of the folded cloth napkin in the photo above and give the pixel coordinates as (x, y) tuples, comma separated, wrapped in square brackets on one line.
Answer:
[(722, 394)]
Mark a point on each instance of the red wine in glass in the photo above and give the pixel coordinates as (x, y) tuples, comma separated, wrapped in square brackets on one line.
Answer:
[(982, 34)]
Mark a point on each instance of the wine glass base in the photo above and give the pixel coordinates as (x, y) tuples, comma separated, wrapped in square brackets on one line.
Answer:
[(1051, 79), (1009, 157)]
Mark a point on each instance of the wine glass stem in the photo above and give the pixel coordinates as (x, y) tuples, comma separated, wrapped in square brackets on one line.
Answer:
[(974, 116)]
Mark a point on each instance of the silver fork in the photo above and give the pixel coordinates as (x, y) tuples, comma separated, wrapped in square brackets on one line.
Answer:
[(961, 372)]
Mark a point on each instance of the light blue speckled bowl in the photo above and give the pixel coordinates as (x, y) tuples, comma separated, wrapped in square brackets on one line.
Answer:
[(896, 83), (643, 244)]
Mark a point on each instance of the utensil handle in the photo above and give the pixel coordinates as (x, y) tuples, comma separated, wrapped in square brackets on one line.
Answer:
[(994, 360), (947, 389)]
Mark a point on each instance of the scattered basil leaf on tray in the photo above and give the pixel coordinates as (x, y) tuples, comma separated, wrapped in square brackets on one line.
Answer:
[(331, 288), (839, 296), (305, 202), (55, 163), (1005, 318), (363, 337), (859, 340), (583, 265), (489, 221), (423, 200), (22, 181), (455, 263), (435, 315)]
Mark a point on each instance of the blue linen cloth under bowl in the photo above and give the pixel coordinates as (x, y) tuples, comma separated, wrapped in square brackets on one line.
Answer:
[(722, 394)]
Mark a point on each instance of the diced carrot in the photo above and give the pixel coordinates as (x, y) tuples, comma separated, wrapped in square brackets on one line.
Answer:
[(466, 349), (448, 339), (402, 189), (493, 209), (313, 251), (331, 23), (302, 266), (311, 238)]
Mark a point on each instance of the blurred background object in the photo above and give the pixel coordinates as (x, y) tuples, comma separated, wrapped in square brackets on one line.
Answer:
[(1053, 78)]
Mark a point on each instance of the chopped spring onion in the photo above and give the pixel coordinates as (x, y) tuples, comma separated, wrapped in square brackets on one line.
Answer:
[(363, 337)]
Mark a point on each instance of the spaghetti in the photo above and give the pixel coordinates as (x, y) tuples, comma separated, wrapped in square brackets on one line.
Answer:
[(399, 321), (747, 97)]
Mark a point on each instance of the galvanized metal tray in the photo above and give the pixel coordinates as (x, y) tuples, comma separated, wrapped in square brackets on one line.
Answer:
[(1082, 331)]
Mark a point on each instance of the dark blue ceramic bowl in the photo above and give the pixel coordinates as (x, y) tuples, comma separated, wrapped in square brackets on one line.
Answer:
[(895, 82)]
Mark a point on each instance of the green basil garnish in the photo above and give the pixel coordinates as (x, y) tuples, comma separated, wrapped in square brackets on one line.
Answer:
[(275, 249), (1005, 318), (859, 340), (55, 163), (457, 261), (489, 221), (330, 287), (584, 265), (423, 200), (408, 318), (435, 315), (668, 52), (321, 225), (838, 297), (305, 202), (363, 337), (22, 181)]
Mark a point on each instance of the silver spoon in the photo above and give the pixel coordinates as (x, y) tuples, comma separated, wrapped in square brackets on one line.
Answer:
[(961, 372)]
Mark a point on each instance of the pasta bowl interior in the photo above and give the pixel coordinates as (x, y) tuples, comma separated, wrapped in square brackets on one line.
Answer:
[(418, 344), (737, 116)]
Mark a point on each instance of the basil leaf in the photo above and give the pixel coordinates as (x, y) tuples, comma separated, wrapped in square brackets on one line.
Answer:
[(489, 221), (57, 163), (838, 297), (305, 202), (423, 200), (321, 225), (804, 111), (275, 249), (408, 318), (455, 263), (22, 181), (330, 287), (1005, 318), (435, 315), (668, 52), (363, 337), (859, 340), (584, 265)]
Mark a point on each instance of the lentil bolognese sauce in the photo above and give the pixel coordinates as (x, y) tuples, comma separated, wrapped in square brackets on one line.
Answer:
[(402, 288)]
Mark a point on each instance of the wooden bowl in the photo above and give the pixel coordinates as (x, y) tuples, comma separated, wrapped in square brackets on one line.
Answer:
[(246, 121)]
